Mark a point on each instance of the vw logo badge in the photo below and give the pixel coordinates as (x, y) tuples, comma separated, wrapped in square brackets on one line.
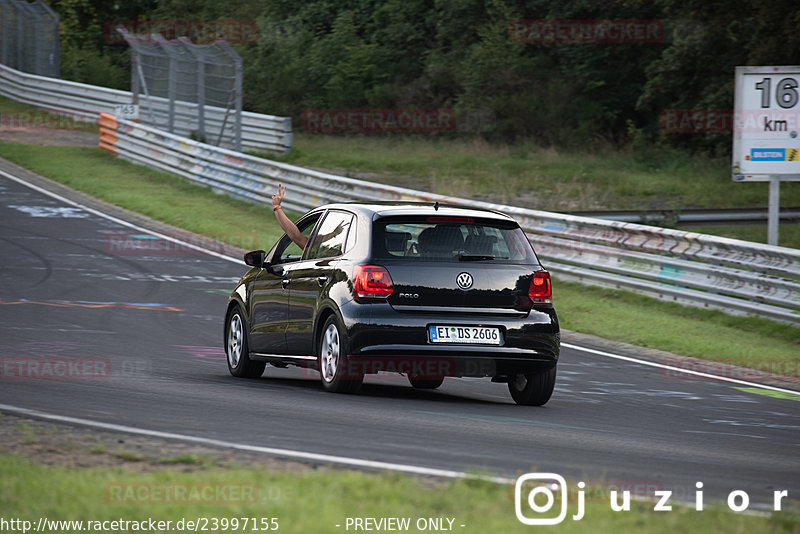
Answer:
[(464, 280)]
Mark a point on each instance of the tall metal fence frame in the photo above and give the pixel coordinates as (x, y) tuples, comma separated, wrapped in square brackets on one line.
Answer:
[(26, 30), (260, 133), (185, 61)]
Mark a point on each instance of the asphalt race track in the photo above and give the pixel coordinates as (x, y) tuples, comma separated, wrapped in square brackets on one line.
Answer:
[(145, 330)]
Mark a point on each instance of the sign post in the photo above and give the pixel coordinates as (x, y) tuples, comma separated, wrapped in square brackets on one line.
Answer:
[(766, 132)]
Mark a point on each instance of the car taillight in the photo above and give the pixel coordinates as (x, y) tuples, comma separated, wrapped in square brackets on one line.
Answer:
[(372, 282), (541, 291)]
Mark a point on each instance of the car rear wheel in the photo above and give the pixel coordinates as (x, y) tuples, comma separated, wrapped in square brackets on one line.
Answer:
[(236, 349), (337, 372), (425, 382), (532, 389)]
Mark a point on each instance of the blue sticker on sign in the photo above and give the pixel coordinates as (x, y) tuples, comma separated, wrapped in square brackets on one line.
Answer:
[(768, 154), (433, 333)]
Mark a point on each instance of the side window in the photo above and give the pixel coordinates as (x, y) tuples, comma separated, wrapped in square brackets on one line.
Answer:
[(288, 251), (332, 235)]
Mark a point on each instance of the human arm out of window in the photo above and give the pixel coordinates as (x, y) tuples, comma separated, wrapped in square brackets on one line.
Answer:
[(286, 224)]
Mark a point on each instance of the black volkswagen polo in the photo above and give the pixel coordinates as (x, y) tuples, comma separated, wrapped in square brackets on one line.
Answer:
[(424, 290)]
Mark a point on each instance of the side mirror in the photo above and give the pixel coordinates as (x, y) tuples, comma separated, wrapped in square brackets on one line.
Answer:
[(255, 258)]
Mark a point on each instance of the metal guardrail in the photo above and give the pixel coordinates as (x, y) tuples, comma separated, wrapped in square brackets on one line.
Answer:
[(735, 276), (84, 102), (694, 216)]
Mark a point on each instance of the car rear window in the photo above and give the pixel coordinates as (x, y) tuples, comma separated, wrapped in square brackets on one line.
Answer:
[(452, 239)]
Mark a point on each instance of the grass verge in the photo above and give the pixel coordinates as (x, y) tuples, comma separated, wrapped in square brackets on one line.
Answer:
[(313, 502), (788, 234), (534, 177), (8, 105), (709, 334), (15, 114), (619, 316)]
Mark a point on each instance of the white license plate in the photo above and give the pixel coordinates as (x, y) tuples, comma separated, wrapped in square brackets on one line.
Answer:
[(482, 335)]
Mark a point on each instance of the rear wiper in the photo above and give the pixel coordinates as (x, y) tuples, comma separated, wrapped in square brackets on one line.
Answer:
[(475, 257)]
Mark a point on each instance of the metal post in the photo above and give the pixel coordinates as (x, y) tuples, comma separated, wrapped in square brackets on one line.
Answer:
[(773, 215), (237, 90), (201, 94), (4, 32), (136, 67), (36, 20), (20, 39), (54, 52), (172, 76), (199, 55)]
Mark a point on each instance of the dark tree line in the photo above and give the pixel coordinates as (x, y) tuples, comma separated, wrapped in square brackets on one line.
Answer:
[(464, 55)]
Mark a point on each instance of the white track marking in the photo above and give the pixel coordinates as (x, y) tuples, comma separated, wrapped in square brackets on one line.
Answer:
[(117, 220), (288, 453), (678, 369)]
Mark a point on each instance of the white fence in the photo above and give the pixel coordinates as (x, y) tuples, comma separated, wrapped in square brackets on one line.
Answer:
[(259, 132), (738, 277)]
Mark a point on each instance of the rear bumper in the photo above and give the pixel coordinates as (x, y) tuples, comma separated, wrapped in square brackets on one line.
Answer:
[(383, 339)]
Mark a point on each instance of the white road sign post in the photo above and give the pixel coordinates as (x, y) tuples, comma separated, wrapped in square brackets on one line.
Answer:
[(766, 132)]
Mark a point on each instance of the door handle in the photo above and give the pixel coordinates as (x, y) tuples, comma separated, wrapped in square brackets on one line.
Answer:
[(284, 283), (321, 280)]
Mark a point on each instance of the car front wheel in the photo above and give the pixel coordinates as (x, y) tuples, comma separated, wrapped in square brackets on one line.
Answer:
[(338, 374), (532, 389), (236, 349)]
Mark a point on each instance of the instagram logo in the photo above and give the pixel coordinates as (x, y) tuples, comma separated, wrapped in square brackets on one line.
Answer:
[(535, 498), (536, 492)]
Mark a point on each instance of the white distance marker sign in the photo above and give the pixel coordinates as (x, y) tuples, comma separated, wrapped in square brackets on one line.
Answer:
[(127, 111), (766, 124)]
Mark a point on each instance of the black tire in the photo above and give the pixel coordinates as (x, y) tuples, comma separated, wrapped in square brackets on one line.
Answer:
[(532, 389), (237, 351), (425, 382), (335, 369)]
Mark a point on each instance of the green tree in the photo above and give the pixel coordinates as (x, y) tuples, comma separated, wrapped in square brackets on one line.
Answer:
[(89, 50), (711, 38), (460, 54)]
